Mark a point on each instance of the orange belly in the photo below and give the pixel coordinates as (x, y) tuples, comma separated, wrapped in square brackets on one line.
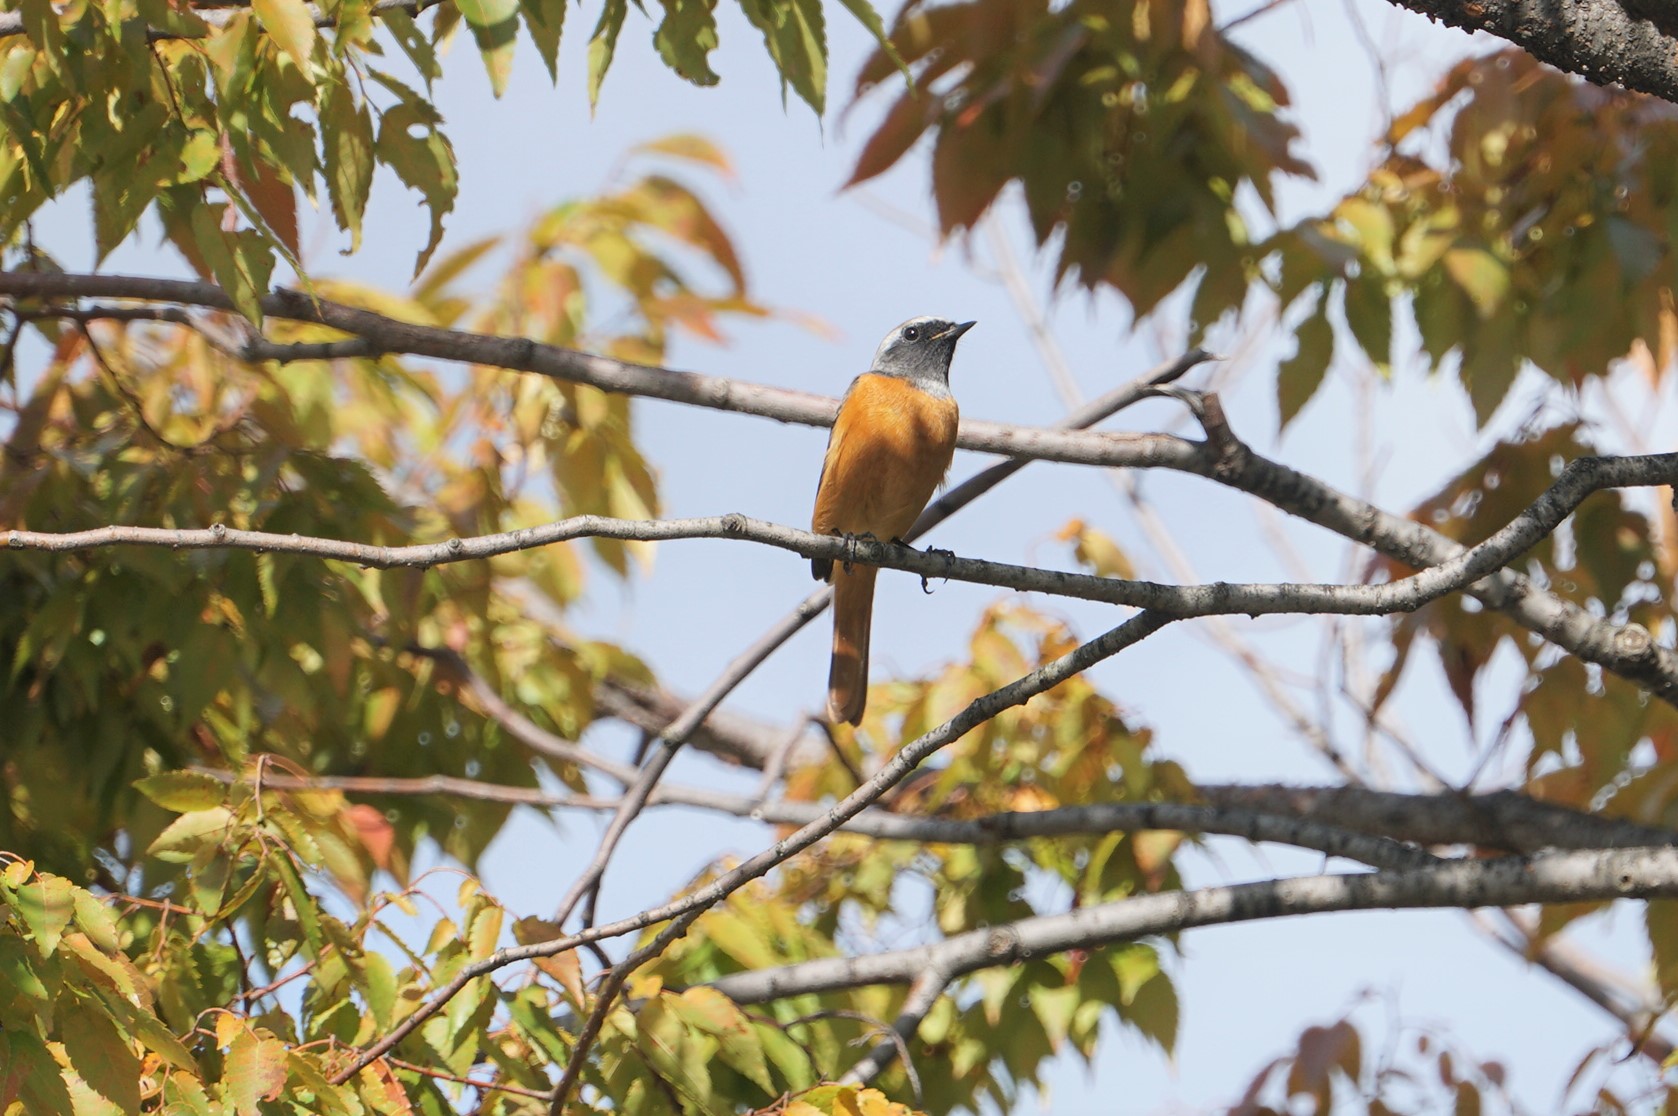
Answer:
[(891, 446)]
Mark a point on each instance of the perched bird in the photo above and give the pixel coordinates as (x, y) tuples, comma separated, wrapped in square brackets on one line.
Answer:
[(890, 448)]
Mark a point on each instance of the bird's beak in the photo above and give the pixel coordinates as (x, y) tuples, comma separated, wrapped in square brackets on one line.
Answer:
[(954, 332)]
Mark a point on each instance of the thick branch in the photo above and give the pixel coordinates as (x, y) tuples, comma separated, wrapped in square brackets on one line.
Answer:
[(1605, 41), (1500, 820), (993, 829), (1551, 877), (386, 335)]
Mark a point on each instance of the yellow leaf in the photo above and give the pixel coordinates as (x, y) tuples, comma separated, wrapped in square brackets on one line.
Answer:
[(291, 25)]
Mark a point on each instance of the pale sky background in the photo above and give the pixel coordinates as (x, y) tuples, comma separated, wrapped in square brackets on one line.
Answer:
[(1247, 990)]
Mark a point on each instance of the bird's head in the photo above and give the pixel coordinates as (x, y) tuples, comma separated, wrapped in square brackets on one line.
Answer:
[(920, 349)]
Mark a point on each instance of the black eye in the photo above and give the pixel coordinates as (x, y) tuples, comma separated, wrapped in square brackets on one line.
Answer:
[(911, 333)]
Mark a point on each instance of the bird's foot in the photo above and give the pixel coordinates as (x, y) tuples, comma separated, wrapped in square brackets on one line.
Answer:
[(949, 557), (850, 544)]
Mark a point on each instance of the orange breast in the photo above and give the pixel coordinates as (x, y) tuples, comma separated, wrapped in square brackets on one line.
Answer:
[(890, 448)]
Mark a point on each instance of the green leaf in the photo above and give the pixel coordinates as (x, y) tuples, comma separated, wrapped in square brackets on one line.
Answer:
[(1481, 275), (739, 1045), (1299, 377), (545, 19), (347, 140), (308, 914), (183, 791), (255, 1071), (796, 36), (869, 18), (495, 29), (291, 25), (686, 38), (190, 832), (603, 45), (43, 1090), (100, 1053), (47, 905), (96, 921), (1369, 313), (424, 163), (17, 968)]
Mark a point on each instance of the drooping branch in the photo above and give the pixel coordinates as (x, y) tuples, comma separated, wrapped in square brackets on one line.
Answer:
[(1547, 877), (1632, 43)]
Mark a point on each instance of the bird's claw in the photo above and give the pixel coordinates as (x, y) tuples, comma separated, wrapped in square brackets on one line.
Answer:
[(949, 557), (850, 546)]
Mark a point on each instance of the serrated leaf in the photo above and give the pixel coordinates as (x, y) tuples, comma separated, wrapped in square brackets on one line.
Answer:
[(46, 906), (603, 45), (291, 25), (425, 163), (865, 14), (188, 833), (738, 1043), (495, 29), (686, 37), (183, 791), (1299, 377), (796, 36), (545, 20), (100, 1053), (96, 921), (41, 1086), (1369, 313), (347, 141), (113, 970), (255, 1071)]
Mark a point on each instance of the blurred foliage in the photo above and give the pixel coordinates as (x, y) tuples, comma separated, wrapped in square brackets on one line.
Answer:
[(130, 662), (1069, 746), (1334, 1069), (1522, 216), (1130, 128), (179, 935)]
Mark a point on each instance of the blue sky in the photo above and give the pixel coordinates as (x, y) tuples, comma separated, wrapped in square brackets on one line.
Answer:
[(862, 261)]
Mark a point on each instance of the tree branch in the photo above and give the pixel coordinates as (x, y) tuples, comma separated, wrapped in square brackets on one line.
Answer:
[(1500, 820), (1548, 877), (1606, 41), (1627, 650), (977, 712), (1089, 820), (1580, 479)]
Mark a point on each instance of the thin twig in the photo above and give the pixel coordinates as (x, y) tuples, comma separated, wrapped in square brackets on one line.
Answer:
[(893, 771)]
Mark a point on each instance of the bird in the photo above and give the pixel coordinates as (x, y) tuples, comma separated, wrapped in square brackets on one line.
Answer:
[(890, 447)]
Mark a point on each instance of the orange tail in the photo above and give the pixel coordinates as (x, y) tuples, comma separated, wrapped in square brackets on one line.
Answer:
[(853, 615)]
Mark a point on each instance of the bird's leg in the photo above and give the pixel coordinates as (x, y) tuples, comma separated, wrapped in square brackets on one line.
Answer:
[(850, 543), (949, 557)]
